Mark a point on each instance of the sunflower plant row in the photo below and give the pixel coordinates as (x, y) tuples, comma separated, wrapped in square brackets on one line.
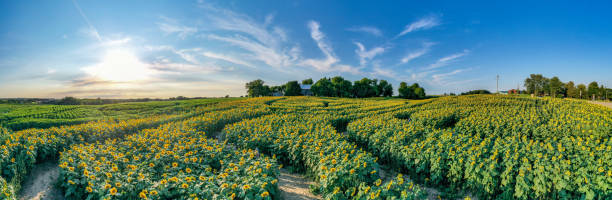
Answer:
[(498, 147), (173, 161), (310, 144), (20, 150)]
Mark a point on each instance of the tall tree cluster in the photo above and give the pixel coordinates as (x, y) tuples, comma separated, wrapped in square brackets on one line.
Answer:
[(340, 87), (333, 87), (539, 85), (413, 91)]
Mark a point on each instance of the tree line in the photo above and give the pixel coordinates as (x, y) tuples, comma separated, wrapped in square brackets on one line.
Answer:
[(337, 87), (539, 85)]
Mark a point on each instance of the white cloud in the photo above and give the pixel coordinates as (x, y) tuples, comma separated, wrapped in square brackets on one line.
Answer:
[(91, 29), (269, 19), (171, 26), (265, 43), (227, 58), (367, 29), (117, 42), (447, 59), (421, 24), (319, 38), (442, 77), (90, 32), (329, 63), (365, 55), (379, 71), (260, 52), (415, 54)]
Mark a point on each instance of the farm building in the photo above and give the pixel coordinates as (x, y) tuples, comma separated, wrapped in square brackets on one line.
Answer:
[(306, 89)]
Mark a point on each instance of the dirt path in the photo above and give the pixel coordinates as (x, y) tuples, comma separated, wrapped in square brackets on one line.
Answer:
[(294, 186), (606, 104), (41, 183)]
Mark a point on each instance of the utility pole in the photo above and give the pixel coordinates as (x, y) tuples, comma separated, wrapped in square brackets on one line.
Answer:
[(497, 84)]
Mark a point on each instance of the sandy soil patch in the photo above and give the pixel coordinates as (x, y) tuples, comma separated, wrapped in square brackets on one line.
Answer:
[(41, 183)]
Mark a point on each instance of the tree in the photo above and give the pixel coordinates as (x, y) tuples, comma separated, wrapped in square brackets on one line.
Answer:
[(307, 81), (476, 92), (364, 88), (292, 88), (602, 92), (571, 90), (413, 92), (582, 91), (536, 84), (555, 86), (419, 92), (257, 88), (342, 87), (405, 91), (68, 101), (593, 89), (323, 88), (384, 88)]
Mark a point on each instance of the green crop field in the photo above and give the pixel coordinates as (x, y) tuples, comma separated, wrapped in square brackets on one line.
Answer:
[(473, 146)]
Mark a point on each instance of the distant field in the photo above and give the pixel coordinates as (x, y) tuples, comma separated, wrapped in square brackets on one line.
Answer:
[(481, 146), (19, 116)]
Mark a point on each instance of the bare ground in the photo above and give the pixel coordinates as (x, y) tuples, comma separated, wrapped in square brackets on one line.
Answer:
[(606, 104), (40, 184), (294, 186)]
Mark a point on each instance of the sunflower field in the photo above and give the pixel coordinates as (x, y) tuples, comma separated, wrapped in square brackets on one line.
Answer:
[(485, 146)]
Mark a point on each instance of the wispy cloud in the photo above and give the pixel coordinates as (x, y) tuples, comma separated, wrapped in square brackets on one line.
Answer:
[(447, 59), (319, 38), (442, 77), (365, 55), (330, 62), (421, 24), (415, 54), (266, 43), (171, 26), (92, 30), (367, 29), (377, 70), (227, 58)]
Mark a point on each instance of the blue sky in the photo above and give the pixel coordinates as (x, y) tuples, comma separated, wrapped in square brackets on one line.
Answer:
[(127, 49)]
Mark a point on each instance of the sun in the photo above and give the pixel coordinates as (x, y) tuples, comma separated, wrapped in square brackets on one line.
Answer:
[(119, 65)]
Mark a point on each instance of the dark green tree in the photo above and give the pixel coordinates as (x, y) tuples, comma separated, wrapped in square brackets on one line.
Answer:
[(307, 81), (292, 88), (364, 88), (386, 88), (536, 84), (405, 91), (68, 101), (419, 92), (382, 87), (323, 88), (342, 87), (476, 92), (582, 91), (257, 88), (593, 90), (556, 86), (570, 89)]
